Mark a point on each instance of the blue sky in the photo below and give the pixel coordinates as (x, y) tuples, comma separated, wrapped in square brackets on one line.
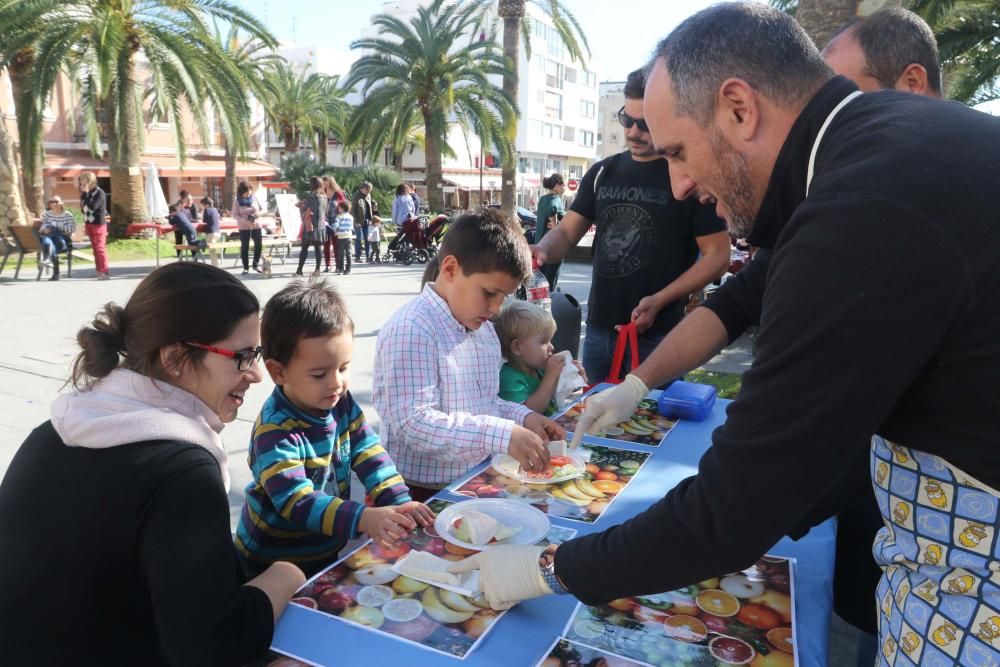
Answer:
[(622, 34)]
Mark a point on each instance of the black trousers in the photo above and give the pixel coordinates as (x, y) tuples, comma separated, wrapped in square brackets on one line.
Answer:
[(245, 236), (344, 256), (317, 245)]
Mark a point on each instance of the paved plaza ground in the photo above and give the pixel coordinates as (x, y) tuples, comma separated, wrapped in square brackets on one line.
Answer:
[(41, 318)]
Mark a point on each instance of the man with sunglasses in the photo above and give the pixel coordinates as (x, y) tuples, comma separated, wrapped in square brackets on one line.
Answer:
[(651, 251)]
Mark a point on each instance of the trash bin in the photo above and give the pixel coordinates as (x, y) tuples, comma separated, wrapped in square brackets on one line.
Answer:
[(568, 316)]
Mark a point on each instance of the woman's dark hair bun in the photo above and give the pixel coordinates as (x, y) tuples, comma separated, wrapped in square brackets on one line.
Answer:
[(101, 344)]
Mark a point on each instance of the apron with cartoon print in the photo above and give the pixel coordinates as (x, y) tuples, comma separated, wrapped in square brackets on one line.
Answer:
[(939, 599)]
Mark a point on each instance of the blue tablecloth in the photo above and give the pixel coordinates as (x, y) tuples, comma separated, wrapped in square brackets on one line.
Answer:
[(524, 634)]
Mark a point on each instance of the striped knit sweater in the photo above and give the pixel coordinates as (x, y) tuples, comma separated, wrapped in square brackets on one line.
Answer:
[(298, 506)]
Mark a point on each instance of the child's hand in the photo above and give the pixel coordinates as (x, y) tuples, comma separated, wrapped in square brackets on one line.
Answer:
[(583, 373), (422, 513), (546, 428), (385, 525), (527, 447), (555, 364)]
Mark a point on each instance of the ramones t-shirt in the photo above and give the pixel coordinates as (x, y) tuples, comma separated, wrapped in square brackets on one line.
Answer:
[(645, 238)]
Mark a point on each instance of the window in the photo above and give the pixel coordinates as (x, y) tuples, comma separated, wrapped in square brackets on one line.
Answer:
[(586, 138), (571, 75), (614, 137), (590, 79), (553, 74), (553, 106), (587, 109), (576, 171), (569, 133), (553, 167), (523, 165)]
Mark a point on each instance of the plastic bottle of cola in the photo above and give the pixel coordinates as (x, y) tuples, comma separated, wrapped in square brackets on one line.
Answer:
[(537, 288)]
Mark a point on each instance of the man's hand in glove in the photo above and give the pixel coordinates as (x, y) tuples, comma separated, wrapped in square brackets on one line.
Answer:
[(610, 407), (507, 574)]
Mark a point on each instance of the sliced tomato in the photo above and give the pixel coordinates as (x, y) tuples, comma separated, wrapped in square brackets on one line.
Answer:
[(557, 461), (545, 474)]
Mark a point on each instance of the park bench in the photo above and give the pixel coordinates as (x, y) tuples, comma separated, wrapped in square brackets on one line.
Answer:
[(22, 239), (273, 245)]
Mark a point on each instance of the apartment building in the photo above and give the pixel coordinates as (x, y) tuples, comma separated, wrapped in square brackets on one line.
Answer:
[(610, 133)]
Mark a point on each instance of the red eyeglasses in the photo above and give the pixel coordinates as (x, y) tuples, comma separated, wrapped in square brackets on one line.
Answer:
[(244, 358)]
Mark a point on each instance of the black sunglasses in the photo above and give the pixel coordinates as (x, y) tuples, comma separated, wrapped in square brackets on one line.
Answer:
[(627, 121)]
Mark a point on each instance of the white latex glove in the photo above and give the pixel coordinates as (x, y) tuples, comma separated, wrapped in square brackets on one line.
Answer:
[(610, 407), (507, 573)]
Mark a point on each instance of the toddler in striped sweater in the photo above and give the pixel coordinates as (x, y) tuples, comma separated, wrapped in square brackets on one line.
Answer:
[(308, 438)]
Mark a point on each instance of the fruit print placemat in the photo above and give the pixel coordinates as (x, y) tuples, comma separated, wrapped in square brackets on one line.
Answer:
[(362, 589), (585, 498), (566, 653), (644, 427), (745, 618)]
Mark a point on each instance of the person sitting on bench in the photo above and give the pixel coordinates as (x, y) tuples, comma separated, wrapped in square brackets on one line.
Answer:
[(183, 230)]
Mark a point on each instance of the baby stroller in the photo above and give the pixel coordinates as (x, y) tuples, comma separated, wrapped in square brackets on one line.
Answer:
[(434, 233), (410, 244)]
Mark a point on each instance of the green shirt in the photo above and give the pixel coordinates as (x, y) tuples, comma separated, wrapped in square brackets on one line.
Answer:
[(517, 387), (546, 206)]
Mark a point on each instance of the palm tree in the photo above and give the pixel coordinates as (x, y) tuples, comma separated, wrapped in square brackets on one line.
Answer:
[(822, 18), (18, 56), (968, 36), (296, 103), (102, 45), (252, 58), (333, 115), (436, 67), (516, 27)]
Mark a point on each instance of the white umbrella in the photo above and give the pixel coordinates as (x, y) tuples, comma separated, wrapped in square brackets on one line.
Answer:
[(156, 203)]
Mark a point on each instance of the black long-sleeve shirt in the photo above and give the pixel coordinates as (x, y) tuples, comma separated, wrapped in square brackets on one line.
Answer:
[(881, 314), (122, 556)]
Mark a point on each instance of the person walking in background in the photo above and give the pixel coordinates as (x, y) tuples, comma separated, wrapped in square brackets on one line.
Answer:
[(314, 208), (334, 195), (402, 205), (94, 204), (551, 204), (344, 228), (246, 208), (416, 199), (56, 233), (362, 215), (212, 220), (375, 239)]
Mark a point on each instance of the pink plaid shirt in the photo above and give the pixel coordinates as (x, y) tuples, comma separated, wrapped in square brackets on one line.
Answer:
[(435, 388)]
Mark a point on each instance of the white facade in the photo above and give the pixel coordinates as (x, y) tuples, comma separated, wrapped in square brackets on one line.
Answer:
[(557, 129), (610, 133)]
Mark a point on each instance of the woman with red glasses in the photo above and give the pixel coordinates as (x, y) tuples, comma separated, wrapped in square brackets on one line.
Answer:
[(114, 513)]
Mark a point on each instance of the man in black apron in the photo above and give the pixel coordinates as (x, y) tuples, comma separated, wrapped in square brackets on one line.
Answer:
[(880, 315), (891, 49)]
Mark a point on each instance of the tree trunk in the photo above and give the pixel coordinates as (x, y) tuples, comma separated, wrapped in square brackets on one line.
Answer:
[(12, 211), (128, 202), (511, 48), (229, 180), (32, 182), (432, 147), (291, 140), (321, 146), (822, 18)]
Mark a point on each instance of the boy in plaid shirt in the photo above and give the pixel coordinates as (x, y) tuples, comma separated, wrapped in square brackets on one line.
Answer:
[(437, 363)]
